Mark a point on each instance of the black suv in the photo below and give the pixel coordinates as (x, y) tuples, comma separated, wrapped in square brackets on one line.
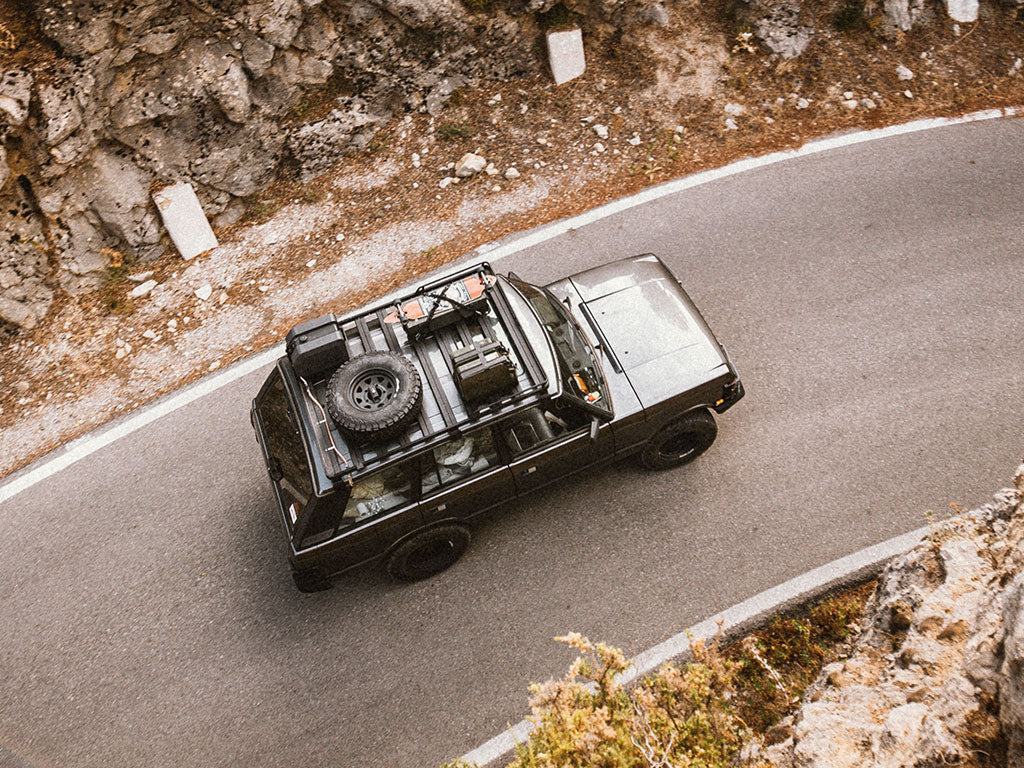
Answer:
[(385, 430)]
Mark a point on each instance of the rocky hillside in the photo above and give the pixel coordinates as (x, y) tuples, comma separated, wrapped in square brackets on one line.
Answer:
[(937, 675), (101, 101)]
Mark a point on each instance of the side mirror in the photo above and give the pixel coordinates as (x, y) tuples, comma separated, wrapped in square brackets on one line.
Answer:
[(276, 473), (595, 425)]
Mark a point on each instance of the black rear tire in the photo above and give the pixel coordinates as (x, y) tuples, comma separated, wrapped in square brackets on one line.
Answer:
[(374, 396), (680, 441), (428, 553)]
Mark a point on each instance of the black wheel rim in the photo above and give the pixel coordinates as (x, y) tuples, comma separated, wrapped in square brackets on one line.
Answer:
[(373, 390), (433, 557), (678, 447)]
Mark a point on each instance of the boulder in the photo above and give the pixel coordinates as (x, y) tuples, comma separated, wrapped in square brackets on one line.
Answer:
[(778, 26), (903, 14), (121, 202), (469, 165)]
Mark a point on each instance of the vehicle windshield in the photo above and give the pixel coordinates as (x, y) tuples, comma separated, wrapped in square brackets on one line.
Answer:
[(581, 374)]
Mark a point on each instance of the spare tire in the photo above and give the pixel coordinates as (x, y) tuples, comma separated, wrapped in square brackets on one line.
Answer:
[(374, 396)]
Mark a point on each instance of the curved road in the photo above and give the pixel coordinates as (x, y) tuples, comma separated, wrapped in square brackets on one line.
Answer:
[(871, 297)]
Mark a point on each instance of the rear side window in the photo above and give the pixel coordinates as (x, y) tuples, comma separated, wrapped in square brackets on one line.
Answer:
[(284, 445), (381, 492), (458, 459)]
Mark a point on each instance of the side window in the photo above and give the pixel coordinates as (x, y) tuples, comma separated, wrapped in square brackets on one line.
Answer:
[(537, 426), (457, 459), (381, 492)]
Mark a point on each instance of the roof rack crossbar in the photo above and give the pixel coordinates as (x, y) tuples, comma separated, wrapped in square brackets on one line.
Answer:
[(364, 334), (389, 332), (435, 386)]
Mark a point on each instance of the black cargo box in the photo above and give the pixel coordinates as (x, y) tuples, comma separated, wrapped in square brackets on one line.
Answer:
[(484, 371), (316, 347)]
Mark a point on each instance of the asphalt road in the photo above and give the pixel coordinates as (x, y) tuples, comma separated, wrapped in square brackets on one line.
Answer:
[(870, 296)]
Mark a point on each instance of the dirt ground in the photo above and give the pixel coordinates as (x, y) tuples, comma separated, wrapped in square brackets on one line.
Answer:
[(672, 101)]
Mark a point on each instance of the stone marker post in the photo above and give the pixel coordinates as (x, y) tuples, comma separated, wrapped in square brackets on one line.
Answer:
[(185, 221), (565, 52)]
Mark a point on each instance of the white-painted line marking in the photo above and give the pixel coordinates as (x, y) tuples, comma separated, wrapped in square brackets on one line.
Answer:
[(739, 618), (92, 442)]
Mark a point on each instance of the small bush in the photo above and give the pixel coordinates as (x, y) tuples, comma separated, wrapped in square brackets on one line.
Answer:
[(118, 268), (679, 716), (454, 131), (697, 715), (793, 649)]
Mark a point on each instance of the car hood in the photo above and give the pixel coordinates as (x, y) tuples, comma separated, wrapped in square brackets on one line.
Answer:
[(652, 327)]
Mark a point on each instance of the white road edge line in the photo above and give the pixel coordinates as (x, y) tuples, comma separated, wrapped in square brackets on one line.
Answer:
[(94, 441), (732, 622)]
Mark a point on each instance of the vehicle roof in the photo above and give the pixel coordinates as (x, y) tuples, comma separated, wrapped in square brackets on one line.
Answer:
[(443, 412)]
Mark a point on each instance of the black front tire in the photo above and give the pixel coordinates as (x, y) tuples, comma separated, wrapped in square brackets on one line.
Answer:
[(680, 441), (428, 553)]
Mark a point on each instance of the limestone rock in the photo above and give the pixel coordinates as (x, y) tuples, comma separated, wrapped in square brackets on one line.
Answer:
[(469, 165), (121, 199), (276, 22), (163, 38), (1011, 679), (17, 313), (962, 10), (930, 653), (656, 14), (438, 14), (778, 25), (317, 146), (903, 14), (15, 94)]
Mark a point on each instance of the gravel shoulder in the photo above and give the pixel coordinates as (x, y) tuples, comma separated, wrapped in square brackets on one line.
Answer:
[(636, 118)]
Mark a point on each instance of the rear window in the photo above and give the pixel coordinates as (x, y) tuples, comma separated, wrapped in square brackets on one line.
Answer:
[(284, 444)]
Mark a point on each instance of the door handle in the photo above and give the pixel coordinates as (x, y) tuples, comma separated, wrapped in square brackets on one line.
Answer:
[(528, 471)]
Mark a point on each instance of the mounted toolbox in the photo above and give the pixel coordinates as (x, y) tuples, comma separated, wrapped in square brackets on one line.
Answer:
[(316, 346)]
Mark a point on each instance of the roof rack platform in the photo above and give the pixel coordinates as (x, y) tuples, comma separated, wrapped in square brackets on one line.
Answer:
[(465, 342)]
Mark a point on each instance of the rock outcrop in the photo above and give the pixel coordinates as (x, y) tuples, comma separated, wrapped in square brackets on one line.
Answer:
[(938, 670), (137, 93)]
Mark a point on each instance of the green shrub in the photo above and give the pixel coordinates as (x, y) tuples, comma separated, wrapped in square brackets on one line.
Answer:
[(454, 131)]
